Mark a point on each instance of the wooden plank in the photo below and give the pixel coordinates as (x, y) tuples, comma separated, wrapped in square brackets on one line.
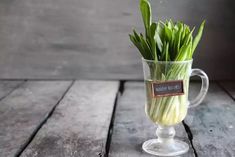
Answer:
[(229, 87), (89, 38), (212, 123), (132, 127), (24, 109), (79, 126), (6, 87)]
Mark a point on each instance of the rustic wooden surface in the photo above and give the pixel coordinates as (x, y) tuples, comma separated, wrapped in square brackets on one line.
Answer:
[(80, 123), (87, 118), (229, 87), (132, 127), (212, 123), (6, 87), (22, 111), (89, 38)]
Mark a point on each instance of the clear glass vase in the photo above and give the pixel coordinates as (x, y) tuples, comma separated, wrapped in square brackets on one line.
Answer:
[(166, 86)]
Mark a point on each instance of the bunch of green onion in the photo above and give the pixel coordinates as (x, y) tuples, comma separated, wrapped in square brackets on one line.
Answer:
[(166, 41)]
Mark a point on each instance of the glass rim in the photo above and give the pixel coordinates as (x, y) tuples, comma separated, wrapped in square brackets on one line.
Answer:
[(164, 62)]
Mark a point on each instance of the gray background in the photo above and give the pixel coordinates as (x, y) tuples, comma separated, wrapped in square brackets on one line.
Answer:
[(88, 39)]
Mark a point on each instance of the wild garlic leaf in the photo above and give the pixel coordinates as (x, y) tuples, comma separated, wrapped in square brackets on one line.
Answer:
[(167, 52), (146, 47), (198, 36), (177, 39), (182, 55), (136, 35), (136, 40), (170, 24), (171, 43), (146, 14), (158, 42), (153, 28), (183, 35), (138, 46), (187, 29), (160, 30), (188, 36), (168, 34)]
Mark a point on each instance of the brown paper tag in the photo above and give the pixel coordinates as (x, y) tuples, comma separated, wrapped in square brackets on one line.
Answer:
[(167, 88)]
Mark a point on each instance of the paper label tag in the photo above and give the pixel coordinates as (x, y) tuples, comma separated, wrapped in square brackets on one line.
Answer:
[(167, 88)]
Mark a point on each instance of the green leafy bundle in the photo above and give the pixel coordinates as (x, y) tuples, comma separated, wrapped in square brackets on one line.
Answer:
[(167, 41)]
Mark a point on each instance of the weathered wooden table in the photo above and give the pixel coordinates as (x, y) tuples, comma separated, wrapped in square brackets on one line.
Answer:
[(104, 118)]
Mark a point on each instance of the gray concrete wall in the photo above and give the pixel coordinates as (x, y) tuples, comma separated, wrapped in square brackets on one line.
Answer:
[(83, 39)]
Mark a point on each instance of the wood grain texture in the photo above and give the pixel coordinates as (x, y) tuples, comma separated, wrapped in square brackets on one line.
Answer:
[(212, 123), (89, 38), (6, 87), (229, 87), (132, 127), (23, 110), (79, 126)]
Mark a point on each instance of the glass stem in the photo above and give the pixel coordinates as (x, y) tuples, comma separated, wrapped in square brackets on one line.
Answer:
[(165, 134)]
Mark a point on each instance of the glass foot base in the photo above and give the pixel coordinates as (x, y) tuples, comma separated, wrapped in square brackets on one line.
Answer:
[(163, 148)]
